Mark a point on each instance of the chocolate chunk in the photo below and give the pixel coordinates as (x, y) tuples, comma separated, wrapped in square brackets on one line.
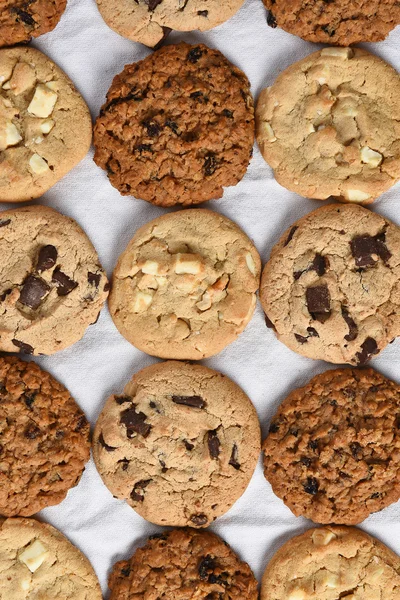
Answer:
[(383, 250), (192, 401), (363, 248), (33, 291), (206, 567), (4, 222), (135, 422), (199, 520), (320, 264), (24, 16), (81, 423), (269, 323), (213, 444), (188, 445), (291, 234), (318, 301), (233, 461), (311, 486), (64, 284), (105, 446), (152, 4), (94, 279), (29, 400), (312, 332), (124, 462), (194, 55), (369, 348), (137, 493), (202, 13), (166, 32), (47, 258), (210, 165), (301, 338), (122, 399), (353, 329), (163, 466), (271, 21), (25, 348), (32, 431)]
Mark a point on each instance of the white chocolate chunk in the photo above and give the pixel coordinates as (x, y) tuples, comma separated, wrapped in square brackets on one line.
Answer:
[(150, 267), (356, 195), (310, 128), (46, 126), (205, 302), (7, 85), (268, 131), (25, 585), (9, 136), (322, 537), (187, 263), (251, 264), (43, 102), (34, 555), (331, 581), (23, 78), (142, 301), (343, 53), (350, 111), (297, 595), (38, 164), (371, 157), (376, 574), (52, 85)]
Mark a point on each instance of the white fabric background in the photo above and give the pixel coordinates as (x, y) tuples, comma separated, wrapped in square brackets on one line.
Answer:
[(106, 529)]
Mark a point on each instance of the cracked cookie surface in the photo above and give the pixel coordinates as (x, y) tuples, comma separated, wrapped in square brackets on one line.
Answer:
[(44, 439), (331, 288), (45, 125), (37, 561), (179, 445), (20, 20), (177, 127), (185, 287), (330, 126), (339, 23), (330, 563), (183, 563), (52, 286), (333, 449)]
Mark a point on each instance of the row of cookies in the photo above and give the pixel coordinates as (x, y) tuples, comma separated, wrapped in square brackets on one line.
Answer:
[(150, 21), (178, 126)]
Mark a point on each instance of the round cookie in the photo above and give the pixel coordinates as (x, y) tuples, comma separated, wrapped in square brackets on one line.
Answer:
[(330, 126), (150, 21), (52, 286), (339, 23), (37, 561), (44, 439), (331, 288), (177, 126), (329, 563), (21, 19), (180, 445), (185, 287), (183, 563), (333, 449), (45, 125)]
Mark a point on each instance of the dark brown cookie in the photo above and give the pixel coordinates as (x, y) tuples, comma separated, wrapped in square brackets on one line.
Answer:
[(182, 564), (44, 439), (177, 127), (22, 19), (340, 23), (333, 449)]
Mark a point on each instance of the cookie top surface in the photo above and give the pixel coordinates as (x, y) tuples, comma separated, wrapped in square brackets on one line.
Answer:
[(185, 285), (177, 126), (332, 453), (148, 21), (20, 20), (45, 125), (183, 563), (329, 563), (180, 445), (339, 23), (37, 561), (331, 287), (44, 439), (52, 286), (330, 126)]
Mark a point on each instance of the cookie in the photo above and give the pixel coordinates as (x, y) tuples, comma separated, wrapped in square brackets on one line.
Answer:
[(52, 286), (20, 20), (185, 287), (180, 445), (332, 562), (183, 563), (339, 23), (333, 449), (177, 127), (44, 439), (45, 125), (150, 21), (330, 126), (331, 288), (37, 561)]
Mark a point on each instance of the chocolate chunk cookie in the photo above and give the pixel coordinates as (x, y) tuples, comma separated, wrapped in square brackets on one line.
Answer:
[(45, 125), (331, 289), (330, 126), (179, 445), (177, 126), (185, 287), (183, 563), (52, 286), (340, 23), (333, 449), (22, 19), (150, 21), (37, 561), (44, 439), (332, 562)]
